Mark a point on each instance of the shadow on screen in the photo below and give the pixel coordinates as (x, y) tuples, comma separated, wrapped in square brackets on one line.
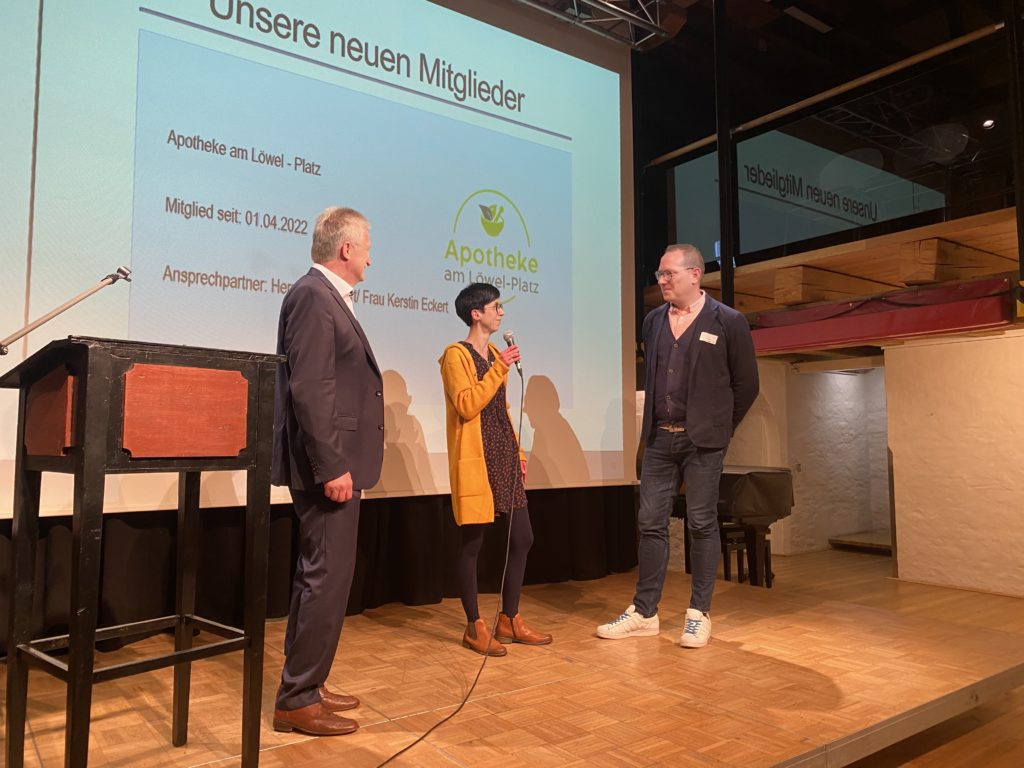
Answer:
[(406, 465), (556, 458)]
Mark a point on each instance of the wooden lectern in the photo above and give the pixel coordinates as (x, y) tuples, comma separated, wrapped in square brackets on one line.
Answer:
[(95, 406)]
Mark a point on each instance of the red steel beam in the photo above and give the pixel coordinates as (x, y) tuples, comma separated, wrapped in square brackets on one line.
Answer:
[(902, 323)]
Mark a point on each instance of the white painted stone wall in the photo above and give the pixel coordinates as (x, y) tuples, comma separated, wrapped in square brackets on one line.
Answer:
[(956, 430), (877, 436), (836, 431)]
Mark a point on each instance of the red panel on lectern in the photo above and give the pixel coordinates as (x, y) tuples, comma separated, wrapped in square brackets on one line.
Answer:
[(48, 411), (175, 411)]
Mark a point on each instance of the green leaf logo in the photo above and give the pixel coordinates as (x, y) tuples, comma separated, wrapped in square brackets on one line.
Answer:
[(491, 219)]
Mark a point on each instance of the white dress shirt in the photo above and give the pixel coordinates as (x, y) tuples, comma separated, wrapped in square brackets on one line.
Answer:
[(339, 285)]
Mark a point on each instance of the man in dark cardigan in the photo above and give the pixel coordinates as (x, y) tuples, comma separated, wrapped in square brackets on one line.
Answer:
[(701, 380)]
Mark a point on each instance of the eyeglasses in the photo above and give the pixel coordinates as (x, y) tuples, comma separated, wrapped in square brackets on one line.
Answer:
[(668, 274), (497, 306)]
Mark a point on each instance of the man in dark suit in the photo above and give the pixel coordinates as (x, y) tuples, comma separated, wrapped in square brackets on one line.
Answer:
[(328, 447), (701, 379)]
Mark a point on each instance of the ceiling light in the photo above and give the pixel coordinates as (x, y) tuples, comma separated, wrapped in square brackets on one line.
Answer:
[(988, 124)]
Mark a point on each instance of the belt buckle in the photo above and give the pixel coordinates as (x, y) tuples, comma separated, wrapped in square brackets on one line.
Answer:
[(672, 428)]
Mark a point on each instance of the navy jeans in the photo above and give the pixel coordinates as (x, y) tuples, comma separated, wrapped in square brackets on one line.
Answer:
[(668, 456)]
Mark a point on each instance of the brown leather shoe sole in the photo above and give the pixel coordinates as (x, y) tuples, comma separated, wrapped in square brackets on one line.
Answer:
[(466, 644), (509, 640), (346, 726)]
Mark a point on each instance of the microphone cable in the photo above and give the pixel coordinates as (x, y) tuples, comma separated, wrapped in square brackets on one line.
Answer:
[(501, 587)]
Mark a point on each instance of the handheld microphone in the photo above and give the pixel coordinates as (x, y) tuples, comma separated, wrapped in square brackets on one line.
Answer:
[(510, 339)]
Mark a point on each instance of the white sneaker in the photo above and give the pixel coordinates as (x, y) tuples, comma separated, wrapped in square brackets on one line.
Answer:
[(629, 624), (697, 630)]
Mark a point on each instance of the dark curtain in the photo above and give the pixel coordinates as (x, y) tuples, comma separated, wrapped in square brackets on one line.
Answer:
[(406, 554)]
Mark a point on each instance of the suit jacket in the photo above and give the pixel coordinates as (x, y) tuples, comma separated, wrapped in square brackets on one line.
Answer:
[(723, 381), (329, 404)]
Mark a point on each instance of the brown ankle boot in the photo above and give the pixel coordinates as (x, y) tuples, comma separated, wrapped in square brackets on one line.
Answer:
[(514, 630), (478, 638)]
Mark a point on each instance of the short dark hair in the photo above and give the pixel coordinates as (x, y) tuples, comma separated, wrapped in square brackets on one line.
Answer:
[(474, 296)]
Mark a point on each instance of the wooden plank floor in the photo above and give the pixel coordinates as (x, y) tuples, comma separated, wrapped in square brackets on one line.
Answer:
[(832, 651)]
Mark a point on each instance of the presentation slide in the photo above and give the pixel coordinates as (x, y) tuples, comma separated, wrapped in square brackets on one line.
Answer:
[(196, 141)]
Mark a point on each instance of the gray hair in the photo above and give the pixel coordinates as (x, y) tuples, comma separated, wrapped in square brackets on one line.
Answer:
[(691, 255), (333, 227)]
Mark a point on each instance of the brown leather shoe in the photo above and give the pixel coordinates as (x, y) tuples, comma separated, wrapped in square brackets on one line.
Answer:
[(477, 637), (314, 720), (514, 630), (337, 702)]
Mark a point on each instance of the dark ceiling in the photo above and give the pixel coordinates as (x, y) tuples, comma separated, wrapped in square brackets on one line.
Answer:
[(782, 51), (925, 123)]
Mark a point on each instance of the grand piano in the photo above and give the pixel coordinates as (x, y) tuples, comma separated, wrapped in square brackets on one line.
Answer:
[(752, 498)]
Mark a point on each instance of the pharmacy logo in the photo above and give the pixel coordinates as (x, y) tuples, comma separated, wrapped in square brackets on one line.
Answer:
[(495, 209), (491, 219), (501, 241)]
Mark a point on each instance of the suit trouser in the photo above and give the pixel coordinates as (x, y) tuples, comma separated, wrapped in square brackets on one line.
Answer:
[(328, 534), (666, 457)]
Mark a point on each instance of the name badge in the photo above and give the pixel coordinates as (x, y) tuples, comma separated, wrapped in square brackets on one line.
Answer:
[(710, 338)]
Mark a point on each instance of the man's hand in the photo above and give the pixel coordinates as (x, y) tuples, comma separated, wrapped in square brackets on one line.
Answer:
[(339, 489), (510, 355), (522, 468)]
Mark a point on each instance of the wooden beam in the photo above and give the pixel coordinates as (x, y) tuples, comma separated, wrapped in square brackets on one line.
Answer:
[(746, 303), (803, 284), (935, 260)]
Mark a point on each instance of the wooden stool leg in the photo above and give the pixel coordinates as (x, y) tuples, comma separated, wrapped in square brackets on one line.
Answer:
[(24, 544), (256, 527), (92, 412), (185, 599), (85, 581), (257, 543)]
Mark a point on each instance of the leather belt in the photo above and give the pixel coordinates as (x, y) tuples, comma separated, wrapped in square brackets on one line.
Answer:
[(672, 427)]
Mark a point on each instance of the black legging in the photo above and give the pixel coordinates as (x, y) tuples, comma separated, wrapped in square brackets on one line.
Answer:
[(469, 550)]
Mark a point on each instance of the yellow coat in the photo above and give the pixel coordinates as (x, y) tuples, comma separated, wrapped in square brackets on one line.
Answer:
[(464, 398)]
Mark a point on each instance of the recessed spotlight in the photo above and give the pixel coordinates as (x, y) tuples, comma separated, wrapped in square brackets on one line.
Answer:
[(988, 124)]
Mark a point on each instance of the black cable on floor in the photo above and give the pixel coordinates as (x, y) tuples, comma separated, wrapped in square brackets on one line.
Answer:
[(501, 590)]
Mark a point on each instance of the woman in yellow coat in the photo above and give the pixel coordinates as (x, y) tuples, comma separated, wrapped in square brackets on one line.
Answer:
[(486, 467)]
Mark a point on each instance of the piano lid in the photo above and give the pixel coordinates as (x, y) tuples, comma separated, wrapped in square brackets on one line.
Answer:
[(752, 495), (744, 469)]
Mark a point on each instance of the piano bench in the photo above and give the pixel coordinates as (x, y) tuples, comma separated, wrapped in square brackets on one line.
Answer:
[(759, 564), (734, 539), (766, 558)]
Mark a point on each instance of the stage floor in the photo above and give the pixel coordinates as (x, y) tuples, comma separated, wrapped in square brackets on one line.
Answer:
[(832, 664)]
